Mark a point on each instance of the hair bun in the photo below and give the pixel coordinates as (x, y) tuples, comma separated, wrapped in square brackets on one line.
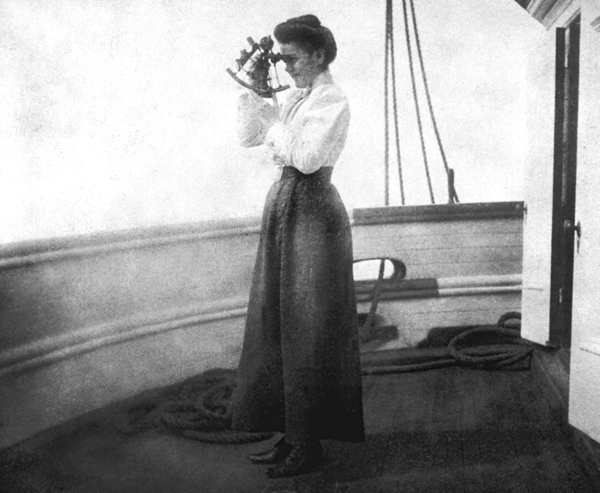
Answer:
[(308, 20), (309, 33)]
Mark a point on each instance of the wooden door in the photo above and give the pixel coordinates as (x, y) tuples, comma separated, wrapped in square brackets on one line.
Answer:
[(537, 225), (584, 398)]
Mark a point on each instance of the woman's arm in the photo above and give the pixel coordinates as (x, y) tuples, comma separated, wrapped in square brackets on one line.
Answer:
[(255, 118)]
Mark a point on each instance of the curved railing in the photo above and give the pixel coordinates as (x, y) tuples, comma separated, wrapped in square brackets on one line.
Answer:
[(86, 321), (89, 320)]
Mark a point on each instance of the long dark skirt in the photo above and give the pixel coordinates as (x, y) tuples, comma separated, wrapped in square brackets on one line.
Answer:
[(300, 365)]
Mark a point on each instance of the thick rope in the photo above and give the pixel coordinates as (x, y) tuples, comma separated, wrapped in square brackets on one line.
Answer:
[(452, 195), (416, 100), (422, 366), (199, 408), (502, 349), (485, 347), (507, 317)]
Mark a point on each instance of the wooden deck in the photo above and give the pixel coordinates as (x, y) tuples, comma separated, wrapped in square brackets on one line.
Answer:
[(446, 430)]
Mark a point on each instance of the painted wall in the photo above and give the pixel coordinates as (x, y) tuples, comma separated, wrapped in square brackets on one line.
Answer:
[(119, 114)]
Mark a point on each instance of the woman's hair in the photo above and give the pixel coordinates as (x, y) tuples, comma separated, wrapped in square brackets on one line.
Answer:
[(308, 33)]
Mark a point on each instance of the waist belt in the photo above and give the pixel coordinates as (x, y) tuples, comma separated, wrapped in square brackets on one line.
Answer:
[(322, 174)]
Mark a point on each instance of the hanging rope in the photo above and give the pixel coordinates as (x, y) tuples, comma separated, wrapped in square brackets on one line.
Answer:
[(390, 70), (395, 100), (390, 61), (416, 100), (386, 160), (452, 195)]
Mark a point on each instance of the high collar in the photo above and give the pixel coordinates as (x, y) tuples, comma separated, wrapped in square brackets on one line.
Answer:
[(322, 79), (302, 95)]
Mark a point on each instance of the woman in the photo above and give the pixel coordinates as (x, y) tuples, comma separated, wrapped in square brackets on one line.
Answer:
[(300, 365)]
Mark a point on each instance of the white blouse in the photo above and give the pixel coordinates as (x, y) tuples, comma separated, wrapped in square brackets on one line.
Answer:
[(310, 132)]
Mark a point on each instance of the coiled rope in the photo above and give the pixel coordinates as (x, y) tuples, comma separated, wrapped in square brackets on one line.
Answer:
[(198, 408), (495, 347)]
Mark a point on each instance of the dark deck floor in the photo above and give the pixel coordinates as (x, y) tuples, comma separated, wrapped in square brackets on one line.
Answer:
[(446, 430)]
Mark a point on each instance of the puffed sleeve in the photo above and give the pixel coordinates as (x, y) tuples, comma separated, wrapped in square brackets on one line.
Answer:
[(254, 118), (314, 137)]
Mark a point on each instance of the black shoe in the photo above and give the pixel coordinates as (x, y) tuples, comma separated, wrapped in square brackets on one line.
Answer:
[(300, 460), (272, 456)]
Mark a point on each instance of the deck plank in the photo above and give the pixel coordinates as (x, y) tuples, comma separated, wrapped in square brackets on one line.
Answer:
[(447, 430), (379, 418), (544, 443), (494, 411), (445, 443)]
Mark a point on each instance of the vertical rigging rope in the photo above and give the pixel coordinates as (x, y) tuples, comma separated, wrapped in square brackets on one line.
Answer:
[(452, 195), (388, 27), (395, 99), (412, 76), (390, 73)]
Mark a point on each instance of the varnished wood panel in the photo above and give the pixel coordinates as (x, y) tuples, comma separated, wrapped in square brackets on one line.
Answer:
[(446, 249), (415, 318), (438, 212)]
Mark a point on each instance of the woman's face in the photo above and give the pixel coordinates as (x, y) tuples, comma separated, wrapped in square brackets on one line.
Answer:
[(302, 66)]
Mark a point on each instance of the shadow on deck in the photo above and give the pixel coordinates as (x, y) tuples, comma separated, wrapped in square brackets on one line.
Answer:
[(445, 430)]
